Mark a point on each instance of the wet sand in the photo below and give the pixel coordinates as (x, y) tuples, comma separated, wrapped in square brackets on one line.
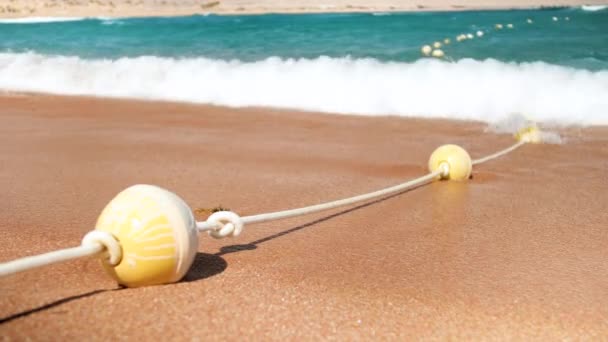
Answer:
[(129, 8), (519, 251)]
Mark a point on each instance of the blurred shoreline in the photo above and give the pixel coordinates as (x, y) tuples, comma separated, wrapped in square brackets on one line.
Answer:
[(144, 8)]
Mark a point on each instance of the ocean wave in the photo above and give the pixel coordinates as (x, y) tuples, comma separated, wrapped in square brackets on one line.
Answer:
[(38, 20), (594, 8), (44, 20), (467, 90)]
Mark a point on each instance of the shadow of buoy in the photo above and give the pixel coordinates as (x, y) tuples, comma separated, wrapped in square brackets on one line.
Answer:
[(205, 266)]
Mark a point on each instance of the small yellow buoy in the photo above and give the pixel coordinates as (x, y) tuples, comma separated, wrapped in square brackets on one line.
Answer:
[(498, 26), (438, 53), (457, 160), (437, 45), (470, 36), (510, 26), (157, 234), (426, 50), (529, 21), (479, 33), (461, 37), (530, 134), (555, 18), (446, 41)]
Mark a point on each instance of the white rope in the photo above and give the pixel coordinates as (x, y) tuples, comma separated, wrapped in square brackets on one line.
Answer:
[(94, 243), (499, 153), (61, 255), (232, 220), (227, 226)]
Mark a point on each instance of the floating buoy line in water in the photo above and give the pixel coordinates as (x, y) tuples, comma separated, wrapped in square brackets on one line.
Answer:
[(147, 235), (434, 50)]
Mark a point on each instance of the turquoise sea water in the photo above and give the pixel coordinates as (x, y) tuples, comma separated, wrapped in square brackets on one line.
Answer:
[(327, 62)]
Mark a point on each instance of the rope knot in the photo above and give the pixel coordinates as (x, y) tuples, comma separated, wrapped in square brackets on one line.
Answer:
[(228, 223)]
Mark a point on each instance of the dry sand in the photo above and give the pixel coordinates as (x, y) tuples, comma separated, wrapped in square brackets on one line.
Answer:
[(519, 251), (125, 8)]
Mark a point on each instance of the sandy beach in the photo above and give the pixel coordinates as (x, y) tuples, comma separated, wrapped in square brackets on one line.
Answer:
[(519, 251), (129, 8)]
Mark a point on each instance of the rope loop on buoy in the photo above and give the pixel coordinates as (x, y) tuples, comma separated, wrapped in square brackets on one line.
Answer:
[(112, 247), (223, 224)]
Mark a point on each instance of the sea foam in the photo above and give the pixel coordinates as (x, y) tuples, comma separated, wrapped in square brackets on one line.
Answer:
[(38, 20), (594, 8), (466, 90)]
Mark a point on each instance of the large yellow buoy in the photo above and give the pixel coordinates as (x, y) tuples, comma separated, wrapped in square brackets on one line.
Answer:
[(157, 234), (498, 26), (457, 160)]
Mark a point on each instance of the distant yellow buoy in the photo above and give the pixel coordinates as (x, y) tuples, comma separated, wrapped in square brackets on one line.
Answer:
[(453, 160), (555, 18), (530, 134), (156, 232), (529, 21), (498, 26), (438, 53), (510, 26), (426, 50), (437, 45), (479, 33), (470, 36), (446, 41), (461, 37)]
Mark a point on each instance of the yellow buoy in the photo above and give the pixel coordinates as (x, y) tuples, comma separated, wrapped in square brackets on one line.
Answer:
[(453, 160), (479, 33), (530, 134), (470, 36), (498, 26), (437, 45), (438, 53), (510, 26), (555, 18), (529, 21), (461, 37), (426, 50), (446, 41), (156, 232)]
